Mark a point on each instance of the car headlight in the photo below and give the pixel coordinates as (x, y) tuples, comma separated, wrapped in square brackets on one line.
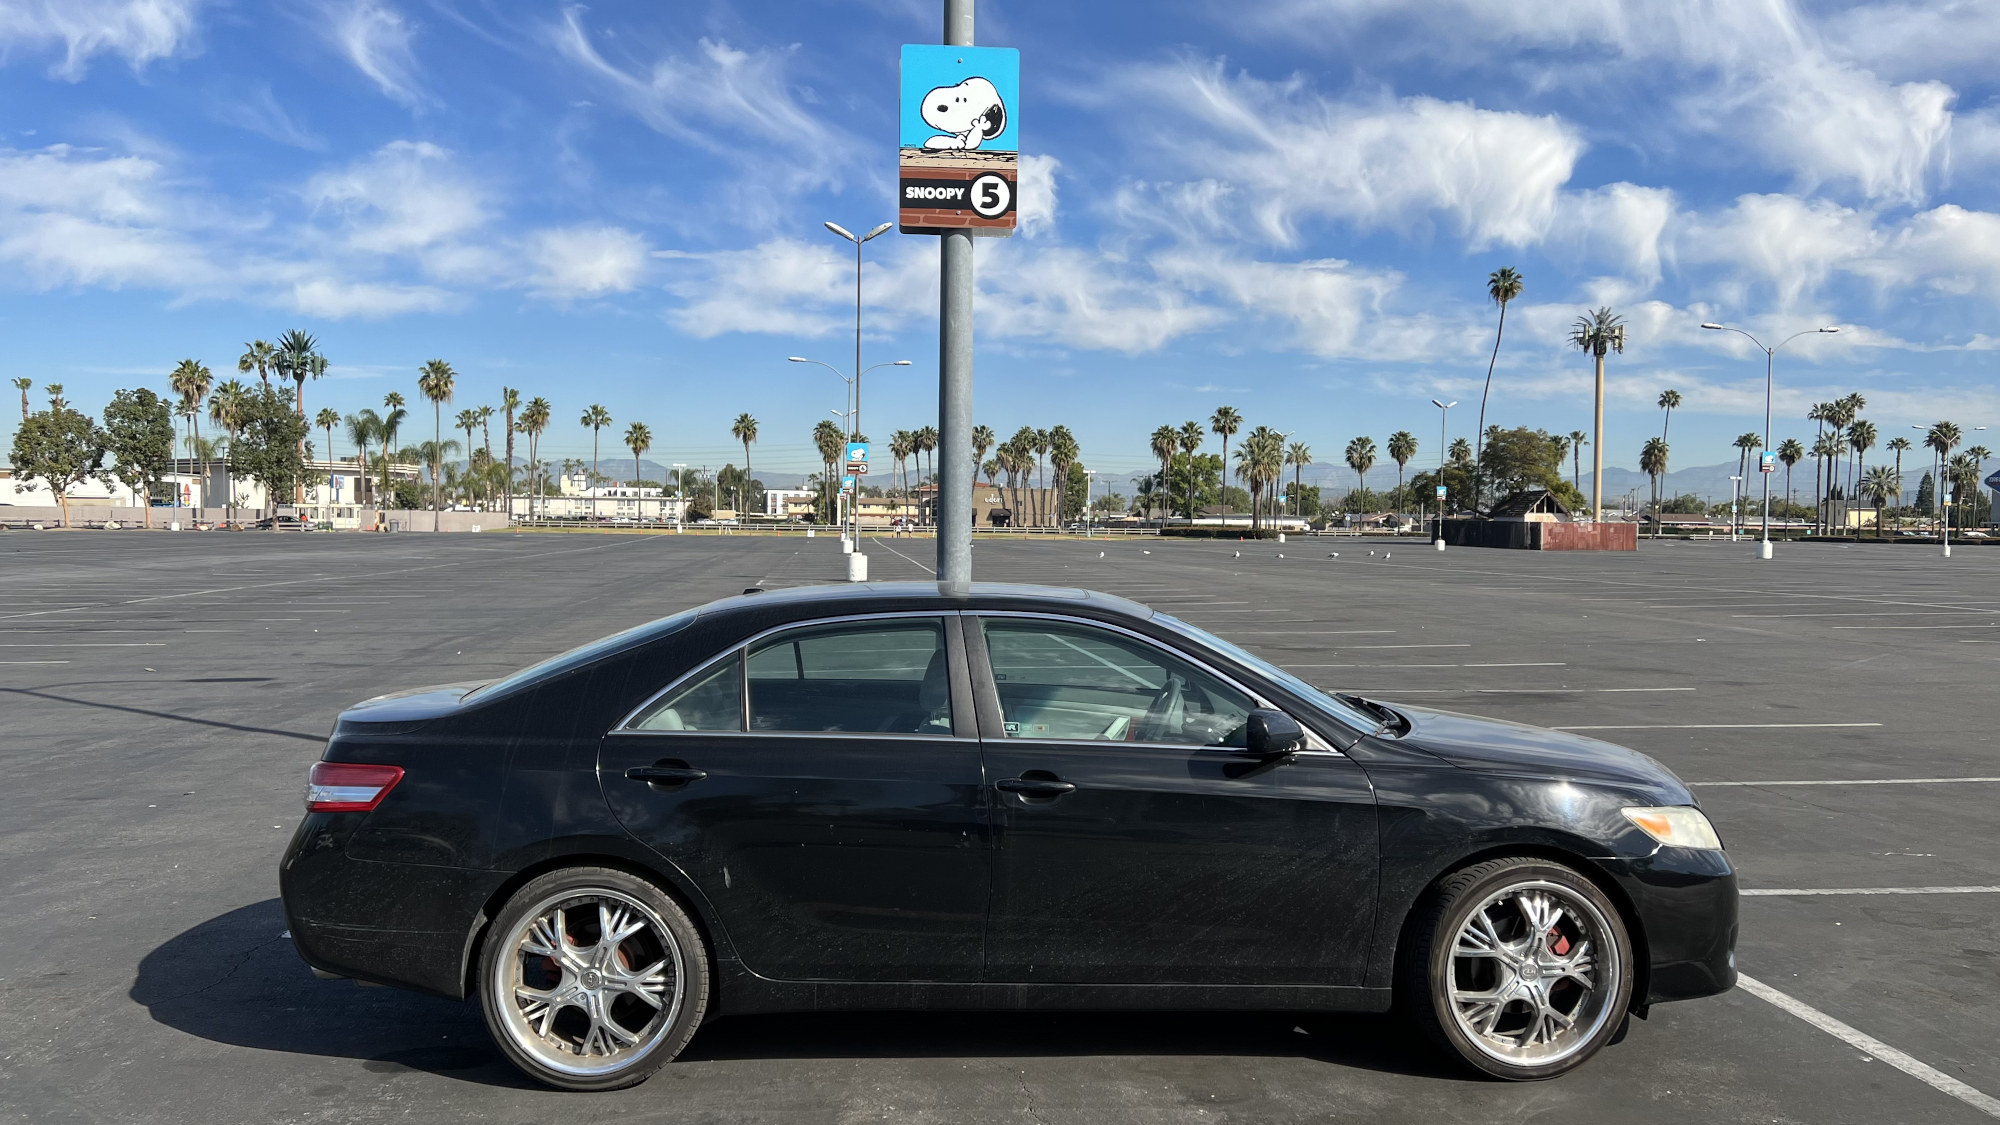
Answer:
[(1680, 826)]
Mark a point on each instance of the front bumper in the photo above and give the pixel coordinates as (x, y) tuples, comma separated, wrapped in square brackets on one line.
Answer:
[(1685, 903)]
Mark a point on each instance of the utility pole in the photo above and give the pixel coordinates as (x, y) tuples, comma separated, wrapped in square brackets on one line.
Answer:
[(956, 280)]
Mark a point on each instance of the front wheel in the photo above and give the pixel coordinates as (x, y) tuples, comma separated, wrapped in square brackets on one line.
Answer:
[(592, 979), (1519, 966)]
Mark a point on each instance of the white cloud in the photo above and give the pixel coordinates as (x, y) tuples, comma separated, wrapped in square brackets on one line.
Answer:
[(1289, 155), (586, 261), (376, 39), (1788, 243), (406, 196), (1622, 225), (141, 31), (258, 111), (1948, 249), (1037, 205), (338, 299)]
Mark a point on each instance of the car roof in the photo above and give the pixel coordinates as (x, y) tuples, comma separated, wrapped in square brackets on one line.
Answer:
[(861, 597)]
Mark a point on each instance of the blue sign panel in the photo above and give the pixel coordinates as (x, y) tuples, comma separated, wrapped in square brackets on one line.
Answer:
[(959, 145)]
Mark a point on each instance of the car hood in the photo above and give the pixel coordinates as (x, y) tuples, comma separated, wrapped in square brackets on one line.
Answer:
[(414, 705), (1492, 744)]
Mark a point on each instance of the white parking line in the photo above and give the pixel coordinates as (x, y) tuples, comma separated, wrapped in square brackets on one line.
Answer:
[(89, 644), (1861, 1041), (1534, 664), (1402, 646), (1790, 891), (1716, 726), (1878, 627), (34, 662), (1896, 613), (1334, 633), (1853, 781)]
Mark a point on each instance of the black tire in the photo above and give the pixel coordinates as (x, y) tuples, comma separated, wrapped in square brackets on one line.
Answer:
[(1431, 965), (597, 989)]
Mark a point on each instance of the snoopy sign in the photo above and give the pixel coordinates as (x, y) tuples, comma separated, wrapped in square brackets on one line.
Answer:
[(960, 139)]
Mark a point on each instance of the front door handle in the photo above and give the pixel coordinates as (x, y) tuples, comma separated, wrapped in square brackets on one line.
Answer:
[(1035, 786), (665, 774)]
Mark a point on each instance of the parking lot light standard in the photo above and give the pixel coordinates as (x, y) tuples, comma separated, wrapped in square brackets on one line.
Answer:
[(1444, 410), (680, 511), (1770, 361)]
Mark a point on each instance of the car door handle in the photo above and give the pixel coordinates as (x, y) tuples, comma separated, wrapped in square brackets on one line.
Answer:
[(1034, 786), (665, 775)]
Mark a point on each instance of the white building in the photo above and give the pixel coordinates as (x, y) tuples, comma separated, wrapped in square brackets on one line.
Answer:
[(778, 502)]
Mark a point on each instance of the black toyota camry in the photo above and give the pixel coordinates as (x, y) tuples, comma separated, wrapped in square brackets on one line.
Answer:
[(887, 797)]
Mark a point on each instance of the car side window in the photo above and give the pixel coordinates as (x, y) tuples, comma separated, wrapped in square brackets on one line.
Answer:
[(711, 702), (879, 677), (1076, 682)]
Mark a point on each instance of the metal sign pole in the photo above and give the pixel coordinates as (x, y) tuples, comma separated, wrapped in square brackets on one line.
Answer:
[(955, 276)]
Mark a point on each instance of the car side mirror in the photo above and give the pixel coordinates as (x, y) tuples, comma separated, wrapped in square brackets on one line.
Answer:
[(1271, 733)]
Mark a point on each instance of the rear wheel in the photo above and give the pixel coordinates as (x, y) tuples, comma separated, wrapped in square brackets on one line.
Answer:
[(1519, 966), (592, 979)]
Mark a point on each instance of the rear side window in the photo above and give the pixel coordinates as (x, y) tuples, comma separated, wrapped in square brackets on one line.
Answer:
[(712, 702), (882, 677)]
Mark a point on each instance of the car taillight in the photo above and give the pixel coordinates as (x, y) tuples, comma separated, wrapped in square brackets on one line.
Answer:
[(349, 786)]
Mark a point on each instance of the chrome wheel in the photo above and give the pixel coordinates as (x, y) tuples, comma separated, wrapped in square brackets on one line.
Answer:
[(590, 983), (1533, 973)]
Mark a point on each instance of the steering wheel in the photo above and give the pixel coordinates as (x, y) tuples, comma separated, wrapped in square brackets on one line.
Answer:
[(1166, 714)]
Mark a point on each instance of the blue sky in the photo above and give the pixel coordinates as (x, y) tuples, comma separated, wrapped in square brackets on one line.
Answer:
[(1290, 207)]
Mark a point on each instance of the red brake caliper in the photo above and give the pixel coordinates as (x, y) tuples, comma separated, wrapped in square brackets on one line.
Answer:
[(1560, 946)]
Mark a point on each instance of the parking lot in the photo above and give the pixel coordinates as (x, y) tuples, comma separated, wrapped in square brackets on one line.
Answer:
[(161, 697)]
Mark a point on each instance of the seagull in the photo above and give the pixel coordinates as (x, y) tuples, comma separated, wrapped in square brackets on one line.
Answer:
[(1333, 554), (1145, 552), (1235, 554), (1281, 554), (1387, 555), (1100, 554), (1371, 554)]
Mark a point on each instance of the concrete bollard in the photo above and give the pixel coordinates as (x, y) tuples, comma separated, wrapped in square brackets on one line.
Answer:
[(857, 567), (1281, 537), (846, 545), (1440, 544), (809, 533)]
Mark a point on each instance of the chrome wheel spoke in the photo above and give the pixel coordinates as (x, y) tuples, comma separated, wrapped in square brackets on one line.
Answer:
[(580, 1023), (1512, 994)]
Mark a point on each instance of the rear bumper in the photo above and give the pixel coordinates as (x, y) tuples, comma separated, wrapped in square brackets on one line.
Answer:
[(1685, 901)]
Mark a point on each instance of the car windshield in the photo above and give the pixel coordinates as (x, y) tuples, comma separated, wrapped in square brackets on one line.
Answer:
[(1324, 699), (584, 654)]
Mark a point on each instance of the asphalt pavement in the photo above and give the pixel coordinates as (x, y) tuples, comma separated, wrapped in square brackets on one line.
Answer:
[(162, 696)]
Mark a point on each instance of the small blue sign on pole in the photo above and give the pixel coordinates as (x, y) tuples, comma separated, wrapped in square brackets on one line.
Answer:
[(1440, 492), (1767, 462)]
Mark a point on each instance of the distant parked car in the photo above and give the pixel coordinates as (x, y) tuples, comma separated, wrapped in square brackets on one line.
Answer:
[(1974, 533), (280, 523)]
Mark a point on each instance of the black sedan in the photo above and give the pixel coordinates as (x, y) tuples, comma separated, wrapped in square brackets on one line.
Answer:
[(885, 797)]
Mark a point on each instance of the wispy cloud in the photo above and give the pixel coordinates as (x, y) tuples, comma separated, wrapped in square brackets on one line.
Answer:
[(258, 111), (376, 38), (140, 31)]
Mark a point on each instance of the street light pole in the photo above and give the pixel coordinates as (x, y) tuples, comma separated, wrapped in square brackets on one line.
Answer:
[(1444, 411), (956, 282), (680, 494), (1770, 363)]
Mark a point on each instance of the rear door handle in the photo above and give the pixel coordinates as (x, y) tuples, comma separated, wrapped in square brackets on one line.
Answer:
[(1034, 786), (665, 775)]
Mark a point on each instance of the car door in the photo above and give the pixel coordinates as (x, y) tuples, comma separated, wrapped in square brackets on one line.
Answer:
[(822, 785), (1134, 841)]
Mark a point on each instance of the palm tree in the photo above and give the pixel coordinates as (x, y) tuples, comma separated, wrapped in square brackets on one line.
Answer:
[(830, 442), (392, 420), (534, 419), (1503, 285), (1460, 452), (1790, 452), (1577, 440), (1191, 439), (1669, 399), (1826, 449), (744, 429), (1597, 333), (1063, 453), (982, 442), (990, 468), (190, 379), (467, 420), (1040, 449), (1225, 421), (1898, 445), (1653, 462), (1298, 457), (228, 407), (596, 418), (510, 401), (436, 379), (257, 356), (1880, 485), (1861, 436), (638, 439), (327, 419), (1361, 458), (362, 429), (1402, 447), (902, 443), (24, 385), (1166, 442), (1942, 438), (1964, 475), (1259, 462)]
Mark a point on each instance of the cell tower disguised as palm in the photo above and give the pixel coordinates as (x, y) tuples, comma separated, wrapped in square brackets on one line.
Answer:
[(1597, 333)]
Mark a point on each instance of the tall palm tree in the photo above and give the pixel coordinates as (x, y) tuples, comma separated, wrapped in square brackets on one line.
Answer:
[(1503, 285), (392, 419), (1460, 452), (1191, 439), (1653, 462), (535, 418), (327, 419), (1880, 485), (927, 440), (1260, 460), (902, 443), (1166, 442), (1225, 421), (1941, 439), (982, 442), (257, 356), (1746, 443), (638, 439), (1361, 458), (1669, 400), (990, 468), (1040, 449), (363, 429), (1963, 472), (1826, 449), (24, 385), (1063, 454), (1402, 447), (1861, 435), (831, 443), (510, 401), (596, 417), (1577, 440), (229, 407), (744, 429), (297, 355), (190, 380), (1298, 456), (1898, 445), (1597, 333), (467, 420), (436, 380), (1790, 452)]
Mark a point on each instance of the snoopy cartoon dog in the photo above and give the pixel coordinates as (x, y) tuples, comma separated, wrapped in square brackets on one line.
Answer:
[(970, 112)]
